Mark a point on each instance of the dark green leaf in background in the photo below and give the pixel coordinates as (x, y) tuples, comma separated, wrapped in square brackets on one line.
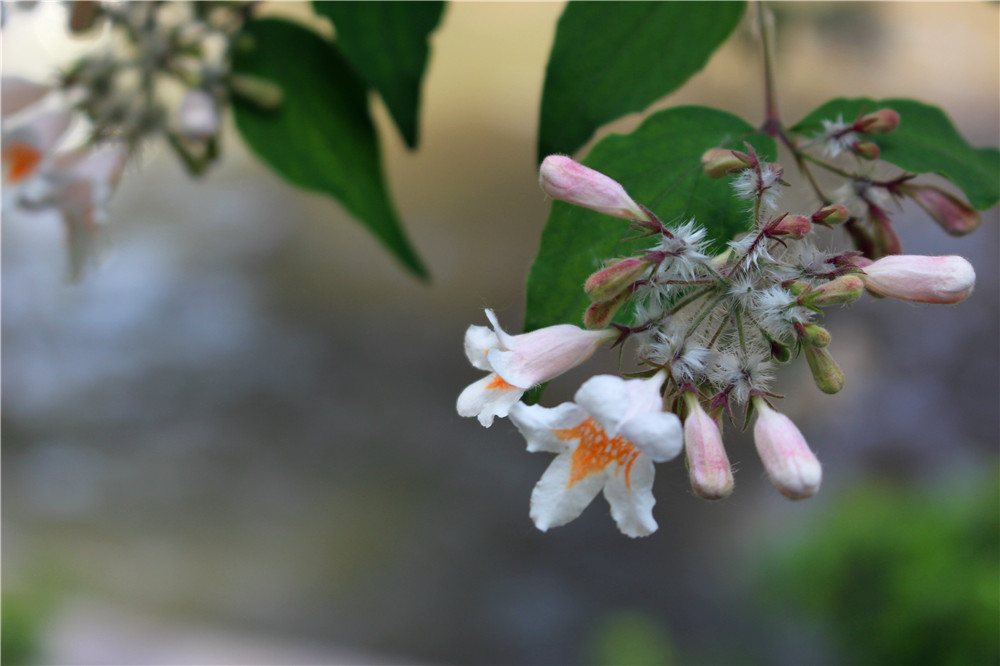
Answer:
[(926, 142), (321, 137), (386, 42), (614, 58), (660, 166)]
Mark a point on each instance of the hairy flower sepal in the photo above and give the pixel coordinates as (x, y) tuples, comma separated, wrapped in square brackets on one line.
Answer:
[(608, 439), (517, 363), (790, 463)]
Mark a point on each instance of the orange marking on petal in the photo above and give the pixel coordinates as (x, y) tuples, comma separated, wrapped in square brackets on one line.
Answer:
[(499, 383), (20, 160), (596, 451)]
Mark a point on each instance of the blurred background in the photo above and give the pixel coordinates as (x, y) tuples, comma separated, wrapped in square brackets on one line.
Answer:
[(235, 442)]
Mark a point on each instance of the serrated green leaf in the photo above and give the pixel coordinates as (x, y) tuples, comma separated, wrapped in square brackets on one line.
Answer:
[(925, 142), (614, 58), (321, 137), (386, 42), (660, 166)]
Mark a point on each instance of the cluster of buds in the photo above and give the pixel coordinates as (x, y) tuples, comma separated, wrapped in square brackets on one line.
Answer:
[(159, 70), (869, 198), (708, 332)]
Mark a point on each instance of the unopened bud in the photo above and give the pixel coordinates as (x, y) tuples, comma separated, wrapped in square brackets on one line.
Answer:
[(878, 122), (948, 279), (954, 215), (567, 180), (790, 463), (607, 283), (599, 315), (831, 215), (826, 373), (839, 291), (792, 226), (198, 115), (884, 235), (780, 352), (708, 466), (717, 162), (816, 335), (260, 92), (865, 149)]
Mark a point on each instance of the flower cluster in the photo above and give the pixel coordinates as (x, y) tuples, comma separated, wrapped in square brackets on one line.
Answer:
[(708, 330), (159, 70)]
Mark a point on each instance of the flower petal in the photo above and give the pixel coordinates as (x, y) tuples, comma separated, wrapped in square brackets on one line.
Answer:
[(478, 341), (488, 398), (537, 424), (658, 434), (607, 399), (631, 498), (555, 501)]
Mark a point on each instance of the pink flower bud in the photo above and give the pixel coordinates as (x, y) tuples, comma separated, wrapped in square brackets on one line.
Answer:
[(599, 315), (708, 466), (567, 180), (866, 150), (879, 122), (198, 115), (717, 162), (607, 283), (831, 215), (791, 465), (792, 226), (826, 373), (955, 216), (947, 279)]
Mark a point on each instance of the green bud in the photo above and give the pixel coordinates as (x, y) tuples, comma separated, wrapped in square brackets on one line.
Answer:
[(816, 335), (607, 283), (262, 93), (599, 315), (840, 291), (826, 373)]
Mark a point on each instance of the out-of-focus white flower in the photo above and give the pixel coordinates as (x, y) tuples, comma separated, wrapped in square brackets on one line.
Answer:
[(517, 363), (607, 440), (17, 94), (29, 146), (198, 115), (790, 463), (944, 280)]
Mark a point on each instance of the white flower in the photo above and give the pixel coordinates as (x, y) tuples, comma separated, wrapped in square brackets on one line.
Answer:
[(28, 148), (835, 136), (17, 94), (608, 440), (517, 363)]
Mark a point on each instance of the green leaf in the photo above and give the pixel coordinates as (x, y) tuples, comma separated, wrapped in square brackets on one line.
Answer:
[(925, 142), (386, 42), (321, 137), (614, 58), (659, 164)]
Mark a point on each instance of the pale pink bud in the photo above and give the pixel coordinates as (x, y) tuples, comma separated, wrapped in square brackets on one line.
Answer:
[(567, 180), (865, 149), (954, 215), (793, 226), (947, 279), (717, 162), (708, 466), (198, 116), (878, 122), (607, 283), (790, 463)]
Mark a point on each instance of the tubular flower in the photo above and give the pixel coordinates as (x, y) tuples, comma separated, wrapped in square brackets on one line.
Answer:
[(27, 148), (943, 280), (563, 178), (607, 440), (517, 363), (954, 215), (790, 463)]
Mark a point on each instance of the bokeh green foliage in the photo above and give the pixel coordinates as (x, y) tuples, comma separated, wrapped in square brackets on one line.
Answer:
[(899, 575)]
